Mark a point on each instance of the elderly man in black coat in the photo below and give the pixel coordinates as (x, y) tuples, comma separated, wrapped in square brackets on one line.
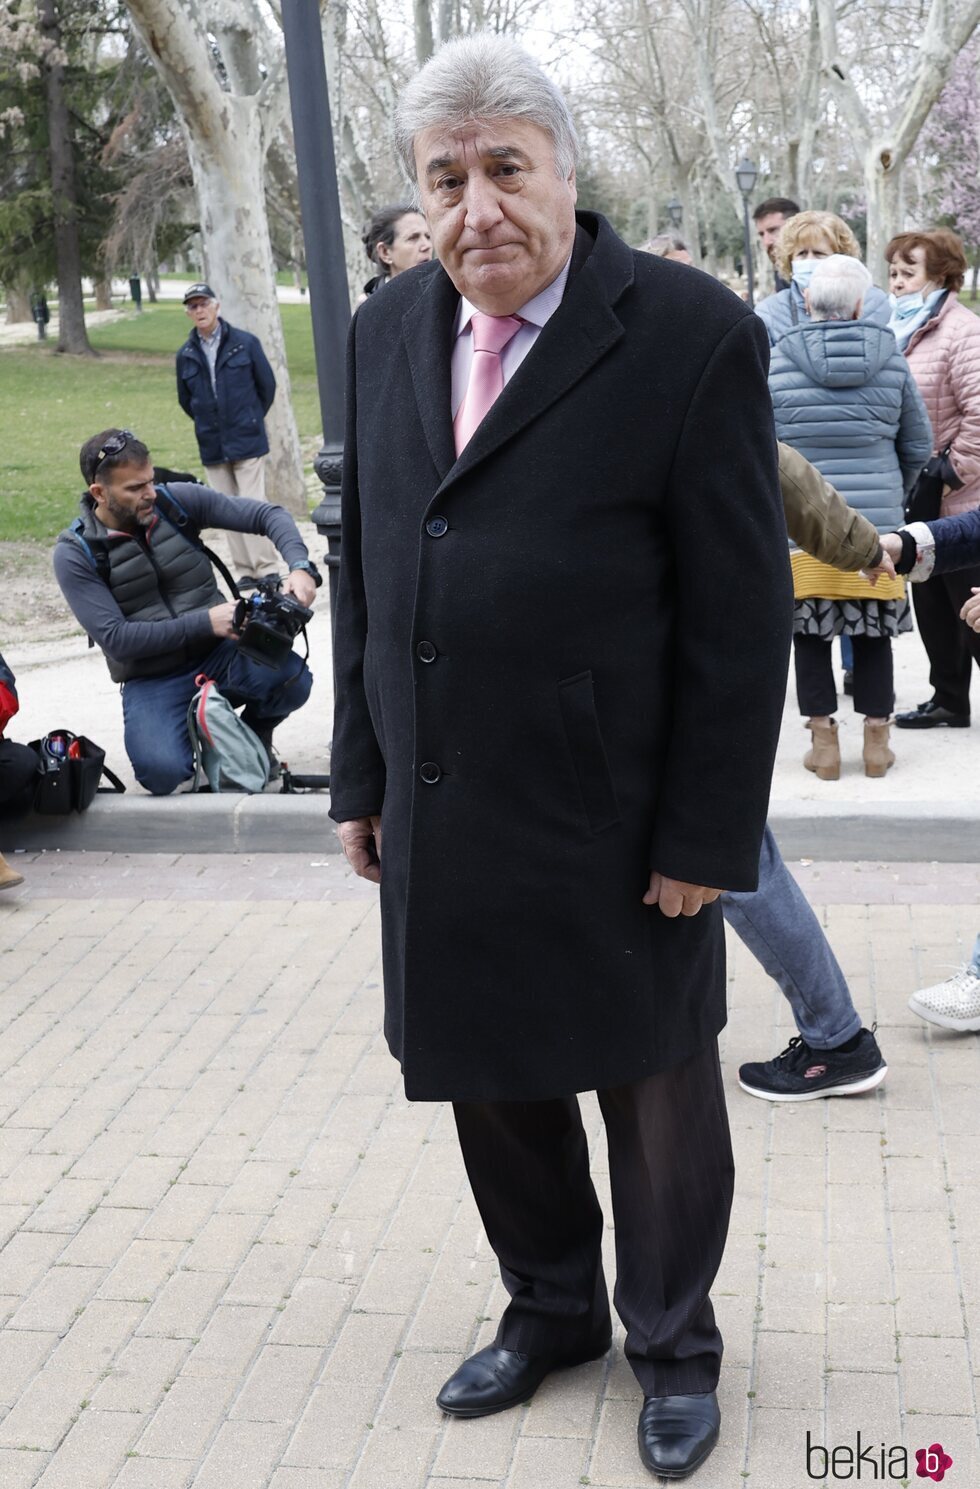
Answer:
[(561, 648)]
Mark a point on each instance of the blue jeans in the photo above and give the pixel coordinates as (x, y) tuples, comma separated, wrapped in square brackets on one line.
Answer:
[(155, 709), (975, 963), (782, 932)]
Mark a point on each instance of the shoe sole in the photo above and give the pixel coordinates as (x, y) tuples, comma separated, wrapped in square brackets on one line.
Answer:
[(944, 1020), (850, 1088), (489, 1411), (683, 1473), (824, 772), (938, 724), (12, 883)]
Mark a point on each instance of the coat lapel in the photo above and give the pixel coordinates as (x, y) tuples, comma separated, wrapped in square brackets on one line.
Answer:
[(581, 332), (428, 332)]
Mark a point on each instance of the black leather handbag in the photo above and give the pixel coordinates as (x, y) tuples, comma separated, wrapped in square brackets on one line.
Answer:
[(70, 772), (925, 497)]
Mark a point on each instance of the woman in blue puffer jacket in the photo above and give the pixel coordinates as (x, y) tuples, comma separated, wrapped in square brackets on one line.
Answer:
[(844, 398), (805, 240)]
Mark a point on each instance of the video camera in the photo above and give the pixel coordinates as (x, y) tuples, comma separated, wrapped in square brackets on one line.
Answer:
[(268, 622)]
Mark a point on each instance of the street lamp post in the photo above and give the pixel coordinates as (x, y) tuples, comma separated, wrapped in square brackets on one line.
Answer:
[(323, 238), (675, 211), (746, 174)]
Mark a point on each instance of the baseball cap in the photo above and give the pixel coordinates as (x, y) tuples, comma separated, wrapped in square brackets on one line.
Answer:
[(200, 292)]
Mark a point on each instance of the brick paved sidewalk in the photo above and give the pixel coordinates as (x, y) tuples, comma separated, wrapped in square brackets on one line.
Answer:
[(232, 1255)]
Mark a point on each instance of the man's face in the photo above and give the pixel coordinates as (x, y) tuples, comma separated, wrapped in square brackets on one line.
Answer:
[(124, 497), (769, 229), (204, 313), (502, 220)]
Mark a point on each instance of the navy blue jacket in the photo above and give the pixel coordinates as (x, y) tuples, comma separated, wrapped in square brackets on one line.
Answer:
[(957, 541), (229, 425)]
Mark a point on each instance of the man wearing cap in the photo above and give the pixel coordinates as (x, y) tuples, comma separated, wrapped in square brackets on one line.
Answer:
[(225, 384)]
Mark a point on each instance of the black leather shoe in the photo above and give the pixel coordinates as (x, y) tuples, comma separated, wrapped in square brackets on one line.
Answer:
[(494, 1379), (676, 1433), (931, 715)]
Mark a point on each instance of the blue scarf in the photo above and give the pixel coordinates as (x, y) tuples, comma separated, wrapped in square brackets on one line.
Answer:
[(909, 312)]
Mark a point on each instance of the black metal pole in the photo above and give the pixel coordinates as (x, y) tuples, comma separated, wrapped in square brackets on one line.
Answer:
[(748, 252), (324, 242)]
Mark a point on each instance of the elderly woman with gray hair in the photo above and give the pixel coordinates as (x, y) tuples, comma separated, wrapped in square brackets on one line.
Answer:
[(843, 397)]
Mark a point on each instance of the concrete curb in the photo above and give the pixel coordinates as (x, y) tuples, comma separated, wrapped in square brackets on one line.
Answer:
[(911, 831)]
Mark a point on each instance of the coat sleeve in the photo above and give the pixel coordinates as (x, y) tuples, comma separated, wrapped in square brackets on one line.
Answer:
[(914, 441), (818, 518), (733, 608), (964, 376), (357, 766), (183, 391), (265, 378), (956, 540)]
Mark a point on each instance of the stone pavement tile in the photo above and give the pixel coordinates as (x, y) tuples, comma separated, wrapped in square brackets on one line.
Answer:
[(310, 1478), (794, 1300), (861, 1336), (857, 1212), (365, 1349), (184, 1304), (222, 1243), (46, 1409), (908, 1137), (456, 1296), (314, 1312), (182, 1211), (959, 1109), (267, 1274), (143, 1183), (177, 1135), (799, 1183), (300, 1217), (93, 1451), (394, 1282), (257, 1188), (854, 1158), (11, 1219), (25, 1259), (218, 1160), (188, 1417), (936, 1376), (778, 1447), (865, 1402), (278, 1384), (566, 1403), (790, 1371), (957, 1435), (915, 1183), (30, 1179), (929, 1303), (923, 1241), (139, 1374), (142, 1269), (153, 1473), (107, 1156), (229, 1342), (737, 1319), (395, 1458), (548, 1463), (22, 1354), (859, 1271), (20, 1470), (243, 1454), (336, 1421), (800, 1251), (96, 1336), (799, 1130), (482, 1447), (44, 1107), (57, 1298), (103, 1238)]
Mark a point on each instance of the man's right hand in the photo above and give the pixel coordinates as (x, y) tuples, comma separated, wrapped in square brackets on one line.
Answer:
[(222, 619), (892, 545), (361, 842)]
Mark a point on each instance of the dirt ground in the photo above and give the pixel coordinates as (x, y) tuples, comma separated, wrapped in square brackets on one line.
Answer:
[(31, 604)]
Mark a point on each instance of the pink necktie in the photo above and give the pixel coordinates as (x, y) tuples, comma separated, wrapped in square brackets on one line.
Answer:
[(491, 334)]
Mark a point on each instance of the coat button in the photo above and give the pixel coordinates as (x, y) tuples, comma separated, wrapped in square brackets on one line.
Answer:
[(426, 652), (436, 527), (430, 772)]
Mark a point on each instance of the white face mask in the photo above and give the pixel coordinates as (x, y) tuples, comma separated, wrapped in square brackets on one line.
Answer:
[(803, 271), (905, 305)]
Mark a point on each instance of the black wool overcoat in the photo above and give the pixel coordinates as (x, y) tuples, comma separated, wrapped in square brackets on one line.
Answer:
[(560, 662)]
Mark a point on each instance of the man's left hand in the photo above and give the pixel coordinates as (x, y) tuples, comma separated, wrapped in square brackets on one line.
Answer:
[(677, 897), (971, 611), (301, 585), (885, 569)]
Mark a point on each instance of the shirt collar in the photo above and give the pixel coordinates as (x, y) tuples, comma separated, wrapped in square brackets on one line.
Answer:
[(215, 334), (537, 310)]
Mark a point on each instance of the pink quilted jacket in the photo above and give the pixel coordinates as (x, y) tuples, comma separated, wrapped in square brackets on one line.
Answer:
[(945, 360)]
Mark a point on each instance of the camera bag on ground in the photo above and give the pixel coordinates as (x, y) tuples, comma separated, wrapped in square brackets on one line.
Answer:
[(70, 773), (226, 750)]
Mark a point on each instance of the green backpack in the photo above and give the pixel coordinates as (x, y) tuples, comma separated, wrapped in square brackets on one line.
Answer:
[(226, 750)]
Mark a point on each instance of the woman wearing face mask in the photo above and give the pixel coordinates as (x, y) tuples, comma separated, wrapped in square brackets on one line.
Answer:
[(804, 241), (397, 238), (941, 340)]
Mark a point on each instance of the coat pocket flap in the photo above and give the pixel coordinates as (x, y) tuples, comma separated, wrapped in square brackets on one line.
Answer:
[(577, 699)]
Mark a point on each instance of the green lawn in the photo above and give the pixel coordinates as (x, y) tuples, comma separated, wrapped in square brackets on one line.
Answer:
[(49, 406)]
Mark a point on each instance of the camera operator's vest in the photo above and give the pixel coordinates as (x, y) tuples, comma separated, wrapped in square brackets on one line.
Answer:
[(163, 577)]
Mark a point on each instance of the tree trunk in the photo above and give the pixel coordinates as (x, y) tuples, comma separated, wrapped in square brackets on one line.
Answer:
[(883, 184), (18, 293), (72, 336), (103, 294), (152, 283), (228, 179)]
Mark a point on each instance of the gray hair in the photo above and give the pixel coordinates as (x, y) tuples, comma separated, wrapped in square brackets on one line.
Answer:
[(663, 244), (484, 77), (838, 286)]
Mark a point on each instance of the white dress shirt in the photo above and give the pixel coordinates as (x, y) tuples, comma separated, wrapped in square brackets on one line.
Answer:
[(535, 313)]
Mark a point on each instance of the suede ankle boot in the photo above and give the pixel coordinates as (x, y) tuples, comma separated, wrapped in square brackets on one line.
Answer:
[(878, 758), (823, 756), (8, 877)]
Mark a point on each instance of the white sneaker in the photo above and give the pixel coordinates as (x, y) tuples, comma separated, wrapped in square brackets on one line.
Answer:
[(953, 1004)]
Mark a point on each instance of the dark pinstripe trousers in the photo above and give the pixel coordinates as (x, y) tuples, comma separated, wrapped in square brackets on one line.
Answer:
[(671, 1175)]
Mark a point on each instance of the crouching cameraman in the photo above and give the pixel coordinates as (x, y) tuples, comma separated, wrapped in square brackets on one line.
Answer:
[(133, 570)]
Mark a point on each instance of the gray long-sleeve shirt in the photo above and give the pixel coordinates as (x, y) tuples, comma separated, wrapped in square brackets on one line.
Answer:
[(94, 607)]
